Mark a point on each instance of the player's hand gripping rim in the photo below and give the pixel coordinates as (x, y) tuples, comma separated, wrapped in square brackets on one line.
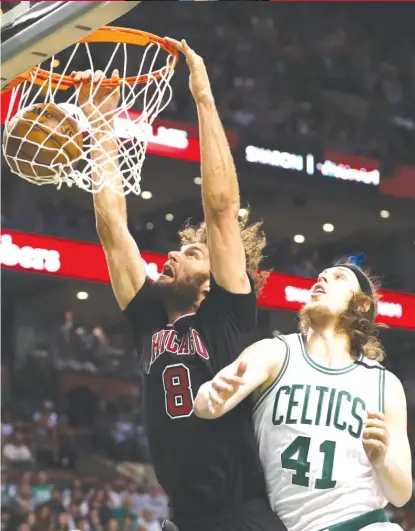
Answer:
[(199, 80), (224, 387), (97, 102)]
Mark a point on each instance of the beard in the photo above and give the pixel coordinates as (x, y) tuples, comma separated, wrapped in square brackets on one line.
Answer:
[(316, 315), (181, 295)]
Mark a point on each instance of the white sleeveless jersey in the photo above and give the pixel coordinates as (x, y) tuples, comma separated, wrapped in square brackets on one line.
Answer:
[(309, 424)]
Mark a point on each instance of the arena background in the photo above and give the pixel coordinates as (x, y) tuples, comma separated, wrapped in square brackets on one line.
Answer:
[(318, 104)]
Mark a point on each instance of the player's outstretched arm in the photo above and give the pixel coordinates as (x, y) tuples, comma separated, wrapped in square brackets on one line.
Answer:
[(124, 261), (257, 364), (220, 190), (386, 443)]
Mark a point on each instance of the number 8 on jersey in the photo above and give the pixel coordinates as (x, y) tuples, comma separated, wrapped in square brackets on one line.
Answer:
[(178, 391)]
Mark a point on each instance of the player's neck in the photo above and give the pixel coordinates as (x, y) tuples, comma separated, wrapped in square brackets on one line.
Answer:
[(329, 347), (174, 313)]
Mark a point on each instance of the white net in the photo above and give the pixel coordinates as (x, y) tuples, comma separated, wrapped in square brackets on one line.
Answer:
[(48, 162)]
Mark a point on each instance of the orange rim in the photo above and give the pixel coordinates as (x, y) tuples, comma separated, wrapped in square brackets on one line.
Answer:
[(105, 34)]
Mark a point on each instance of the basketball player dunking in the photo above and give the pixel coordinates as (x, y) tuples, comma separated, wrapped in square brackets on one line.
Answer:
[(189, 324), (330, 420)]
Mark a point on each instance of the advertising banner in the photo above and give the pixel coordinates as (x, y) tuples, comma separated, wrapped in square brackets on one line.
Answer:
[(86, 261)]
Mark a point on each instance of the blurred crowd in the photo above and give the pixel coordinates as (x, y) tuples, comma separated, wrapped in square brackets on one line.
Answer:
[(80, 423), (66, 420), (38, 501), (57, 454), (42, 502), (301, 74), (70, 344), (342, 75)]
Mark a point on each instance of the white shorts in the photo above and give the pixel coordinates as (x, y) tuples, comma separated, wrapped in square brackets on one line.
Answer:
[(382, 526)]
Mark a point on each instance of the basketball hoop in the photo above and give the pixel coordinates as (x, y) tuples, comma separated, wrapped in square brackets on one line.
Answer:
[(148, 90)]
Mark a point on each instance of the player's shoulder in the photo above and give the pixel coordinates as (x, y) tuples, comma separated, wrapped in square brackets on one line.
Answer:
[(289, 339), (220, 299), (372, 373), (394, 396), (391, 386), (392, 382), (224, 311), (371, 364)]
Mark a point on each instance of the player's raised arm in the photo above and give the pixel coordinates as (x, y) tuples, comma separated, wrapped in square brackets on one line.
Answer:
[(256, 365), (125, 264), (220, 190), (386, 443)]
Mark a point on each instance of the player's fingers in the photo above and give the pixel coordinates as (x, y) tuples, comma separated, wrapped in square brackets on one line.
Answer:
[(375, 423), (175, 43), (77, 76), (186, 47), (115, 74), (241, 370), (86, 75), (211, 407), (98, 76), (375, 415), (373, 444), (233, 380), (192, 57), (375, 433), (220, 385), (215, 397)]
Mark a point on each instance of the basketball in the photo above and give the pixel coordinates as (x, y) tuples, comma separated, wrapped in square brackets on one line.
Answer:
[(42, 141)]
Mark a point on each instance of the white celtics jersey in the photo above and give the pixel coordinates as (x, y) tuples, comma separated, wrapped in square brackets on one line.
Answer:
[(309, 425)]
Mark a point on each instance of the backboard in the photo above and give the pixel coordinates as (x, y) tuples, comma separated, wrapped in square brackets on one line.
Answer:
[(34, 31)]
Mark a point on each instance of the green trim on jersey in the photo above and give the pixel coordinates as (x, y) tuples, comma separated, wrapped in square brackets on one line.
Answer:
[(262, 395), (382, 375), (321, 368), (358, 523)]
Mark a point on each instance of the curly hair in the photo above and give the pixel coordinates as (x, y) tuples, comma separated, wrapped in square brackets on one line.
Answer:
[(359, 325), (253, 239)]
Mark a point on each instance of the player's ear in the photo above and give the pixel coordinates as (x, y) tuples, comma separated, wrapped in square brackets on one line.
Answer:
[(362, 302), (364, 307), (206, 287)]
